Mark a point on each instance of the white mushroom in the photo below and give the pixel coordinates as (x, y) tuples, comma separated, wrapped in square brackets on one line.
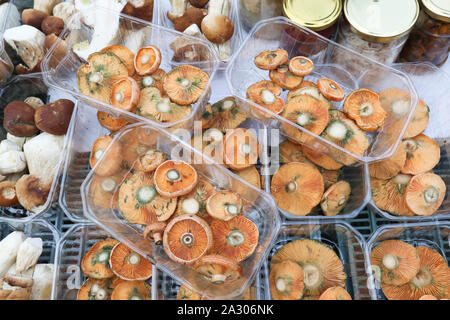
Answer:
[(13, 281), (28, 254), (28, 42), (42, 154), (42, 282), (8, 250), (7, 145), (34, 102), (12, 161), (64, 10), (45, 5), (17, 140)]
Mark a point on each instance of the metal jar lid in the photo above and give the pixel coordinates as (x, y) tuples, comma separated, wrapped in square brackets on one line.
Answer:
[(381, 20), (437, 9), (316, 15)]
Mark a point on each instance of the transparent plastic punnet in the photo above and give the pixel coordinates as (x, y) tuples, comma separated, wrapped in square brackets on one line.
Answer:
[(258, 207), (61, 63), (224, 51), (342, 238), (18, 89), (6, 67), (242, 72), (71, 249), (434, 235), (37, 229), (432, 85)]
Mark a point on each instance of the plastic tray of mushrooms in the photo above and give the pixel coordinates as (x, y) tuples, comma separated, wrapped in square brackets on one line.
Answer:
[(295, 84), (34, 135), (121, 69), (27, 260), (413, 185), (33, 26), (192, 218), (409, 262), (216, 21)]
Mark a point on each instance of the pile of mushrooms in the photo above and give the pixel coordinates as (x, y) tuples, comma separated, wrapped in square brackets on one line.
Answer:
[(212, 23), (29, 159)]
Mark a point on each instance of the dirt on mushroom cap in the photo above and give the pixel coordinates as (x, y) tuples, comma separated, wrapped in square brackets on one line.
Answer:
[(297, 188), (419, 122), (286, 281)]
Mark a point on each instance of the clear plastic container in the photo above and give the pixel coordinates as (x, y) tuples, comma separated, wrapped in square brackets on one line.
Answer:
[(431, 234), (71, 249), (251, 11), (38, 229), (345, 241), (242, 72), (60, 65), (355, 175), (6, 66), (164, 6), (19, 88), (432, 85), (260, 206)]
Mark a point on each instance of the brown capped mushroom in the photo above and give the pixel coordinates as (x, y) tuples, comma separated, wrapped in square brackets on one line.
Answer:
[(31, 192), (190, 17), (8, 196), (33, 17), (217, 28), (52, 24), (54, 118), (18, 119)]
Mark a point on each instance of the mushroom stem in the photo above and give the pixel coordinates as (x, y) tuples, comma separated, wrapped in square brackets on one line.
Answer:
[(337, 130), (422, 279), (218, 278), (311, 276), (157, 237), (366, 109), (281, 285), (431, 195), (390, 261)]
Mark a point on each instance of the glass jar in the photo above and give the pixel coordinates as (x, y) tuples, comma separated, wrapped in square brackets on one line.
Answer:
[(320, 16), (430, 39), (252, 11), (376, 29)]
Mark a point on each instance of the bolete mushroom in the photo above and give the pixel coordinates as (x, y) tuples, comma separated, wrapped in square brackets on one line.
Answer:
[(31, 192), (217, 28), (18, 119), (54, 117)]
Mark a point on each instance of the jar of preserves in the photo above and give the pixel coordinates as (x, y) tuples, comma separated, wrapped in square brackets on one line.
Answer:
[(430, 39), (252, 11), (377, 29), (320, 16)]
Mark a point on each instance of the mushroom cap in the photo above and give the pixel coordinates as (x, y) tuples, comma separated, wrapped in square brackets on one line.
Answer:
[(111, 160), (208, 117), (197, 197), (147, 60), (310, 89), (54, 117), (217, 28), (389, 168), (154, 106), (335, 293), (389, 195), (125, 54), (422, 154), (95, 78), (110, 122), (433, 278), (419, 121), (18, 119), (8, 196), (154, 227), (224, 205), (397, 260), (236, 239), (269, 60), (320, 159), (191, 16), (187, 238), (425, 193), (185, 84), (266, 94), (335, 198), (241, 148), (95, 263), (125, 94), (292, 152), (150, 160), (321, 266), (252, 176), (31, 192), (285, 78), (151, 80), (297, 187), (307, 112), (174, 178), (286, 281), (363, 106), (330, 89), (227, 114), (103, 191), (218, 269), (134, 145), (132, 290), (301, 66), (89, 290), (129, 265)]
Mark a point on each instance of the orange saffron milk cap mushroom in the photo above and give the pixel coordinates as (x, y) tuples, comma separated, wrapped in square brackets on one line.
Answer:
[(297, 188), (129, 265), (321, 160), (224, 205), (422, 154), (335, 293), (227, 114), (174, 178), (92, 289), (330, 90), (389, 168), (147, 60), (195, 201), (236, 238), (185, 294), (151, 80), (150, 160), (132, 290), (335, 198), (266, 94), (398, 261), (363, 106), (286, 281), (125, 54), (301, 66), (285, 78), (425, 193), (419, 121), (187, 238), (269, 60), (241, 149), (95, 263), (110, 122), (125, 94), (103, 191), (218, 269), (111, 161)]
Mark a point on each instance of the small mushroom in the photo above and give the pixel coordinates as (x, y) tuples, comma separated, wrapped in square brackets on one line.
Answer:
[(18, 119), (191, 16), (54, 118), (154, 231), (33, 17), (8, 196), (217, 28), (31, 192), (12, 161), (52, 24)]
